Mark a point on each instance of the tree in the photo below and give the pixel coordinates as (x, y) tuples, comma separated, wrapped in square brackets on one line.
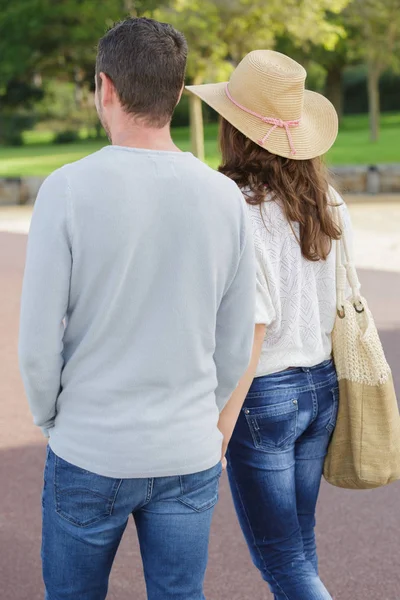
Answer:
[(331, 62), (200, 21), (221, 32), (48, 37), (378, 25)]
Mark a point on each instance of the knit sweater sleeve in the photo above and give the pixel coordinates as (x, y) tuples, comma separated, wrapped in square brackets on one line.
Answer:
[(45, 299), (265, 312)]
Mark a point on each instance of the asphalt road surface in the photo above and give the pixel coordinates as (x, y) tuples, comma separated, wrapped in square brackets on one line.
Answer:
[(358, 532)]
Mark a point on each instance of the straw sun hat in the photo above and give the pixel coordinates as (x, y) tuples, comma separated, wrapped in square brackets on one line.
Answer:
[(265, 99)]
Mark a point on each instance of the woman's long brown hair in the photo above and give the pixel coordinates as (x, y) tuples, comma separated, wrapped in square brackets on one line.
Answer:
[(300, 186)]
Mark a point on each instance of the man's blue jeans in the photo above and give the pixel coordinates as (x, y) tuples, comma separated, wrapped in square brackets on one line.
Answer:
[(84, 518), (275, 463)]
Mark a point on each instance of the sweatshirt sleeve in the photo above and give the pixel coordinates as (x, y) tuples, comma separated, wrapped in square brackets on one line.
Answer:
[(45, 299), (235, 320)]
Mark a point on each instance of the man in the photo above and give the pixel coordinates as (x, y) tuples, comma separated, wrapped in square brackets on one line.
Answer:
[(137, 322)]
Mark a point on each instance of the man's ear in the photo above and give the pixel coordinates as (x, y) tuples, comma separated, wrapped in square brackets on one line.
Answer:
[(180, 94), (107, 89)]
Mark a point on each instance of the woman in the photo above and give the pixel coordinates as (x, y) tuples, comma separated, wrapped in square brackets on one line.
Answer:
[(273, 134)]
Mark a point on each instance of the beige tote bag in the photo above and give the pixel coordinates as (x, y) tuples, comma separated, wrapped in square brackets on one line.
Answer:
[(364, 451)]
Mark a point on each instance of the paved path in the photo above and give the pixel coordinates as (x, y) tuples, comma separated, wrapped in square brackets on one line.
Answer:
[(358, 533), (376, 221)]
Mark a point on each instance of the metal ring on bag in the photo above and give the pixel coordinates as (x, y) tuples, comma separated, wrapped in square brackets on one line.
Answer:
[(360, 308), (341, 313)]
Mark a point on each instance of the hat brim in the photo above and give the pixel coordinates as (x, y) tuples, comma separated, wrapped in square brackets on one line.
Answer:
[(313, 137)]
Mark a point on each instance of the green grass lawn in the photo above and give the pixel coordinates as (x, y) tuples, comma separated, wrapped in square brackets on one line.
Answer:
[(40, 157)]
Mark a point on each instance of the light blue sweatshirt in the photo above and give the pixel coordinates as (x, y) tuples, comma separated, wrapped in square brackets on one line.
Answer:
[(137, 311)]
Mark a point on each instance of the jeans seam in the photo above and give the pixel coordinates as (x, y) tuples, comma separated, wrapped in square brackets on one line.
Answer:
[(314, 397), (254, 539), (150, 486), (204, 507), (313, 390), (330, 427), (55, 480), (115, 496)]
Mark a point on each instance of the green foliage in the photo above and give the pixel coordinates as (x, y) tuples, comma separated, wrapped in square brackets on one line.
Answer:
[(376, 24), (53, 39), (12, 126), (66, 137), (20, 93), (221, 32), (13, 137), (48, 37), (257, 24), (200, 21)]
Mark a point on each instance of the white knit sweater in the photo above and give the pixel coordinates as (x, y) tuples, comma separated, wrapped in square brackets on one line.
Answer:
[(296, 298)]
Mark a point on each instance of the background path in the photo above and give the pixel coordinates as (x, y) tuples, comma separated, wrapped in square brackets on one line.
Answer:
[(358, 532)]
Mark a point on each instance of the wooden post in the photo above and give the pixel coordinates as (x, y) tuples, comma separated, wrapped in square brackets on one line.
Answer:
[(373, 101), (196, 125)]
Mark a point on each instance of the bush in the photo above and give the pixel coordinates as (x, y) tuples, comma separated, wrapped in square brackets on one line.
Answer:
[(66, 137), (12, 127), (14, 139)]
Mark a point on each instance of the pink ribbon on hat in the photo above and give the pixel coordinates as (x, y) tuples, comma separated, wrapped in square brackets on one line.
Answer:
[(270, 120)]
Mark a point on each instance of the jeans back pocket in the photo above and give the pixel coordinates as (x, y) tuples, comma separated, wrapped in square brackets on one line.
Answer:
[(200, 490), (83, 498), (273, 427)]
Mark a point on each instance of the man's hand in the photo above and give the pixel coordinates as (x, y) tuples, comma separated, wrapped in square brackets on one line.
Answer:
[(230, 413)]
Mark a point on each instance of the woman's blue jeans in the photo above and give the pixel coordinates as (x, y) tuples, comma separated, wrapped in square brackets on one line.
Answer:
[(275, 463)]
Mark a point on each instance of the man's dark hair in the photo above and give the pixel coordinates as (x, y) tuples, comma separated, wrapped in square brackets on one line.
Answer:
[(146, 61)]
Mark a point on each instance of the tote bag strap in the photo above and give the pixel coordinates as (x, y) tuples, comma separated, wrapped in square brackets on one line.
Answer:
[(346, 271)]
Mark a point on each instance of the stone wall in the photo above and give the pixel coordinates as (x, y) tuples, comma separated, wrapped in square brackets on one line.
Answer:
[(381, 179), (19, 190)]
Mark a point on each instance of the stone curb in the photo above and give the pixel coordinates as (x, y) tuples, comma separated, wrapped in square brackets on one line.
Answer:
[(364, 179)]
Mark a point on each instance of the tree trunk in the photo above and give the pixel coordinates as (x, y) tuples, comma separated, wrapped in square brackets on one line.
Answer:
[(78, 90), (373, 101), (196, 124), (334, 88)]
